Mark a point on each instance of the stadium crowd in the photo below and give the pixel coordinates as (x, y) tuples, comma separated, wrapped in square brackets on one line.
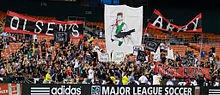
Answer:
[(78, 64)]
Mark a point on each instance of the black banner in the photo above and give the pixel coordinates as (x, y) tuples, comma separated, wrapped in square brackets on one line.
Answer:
[(68, 89), (17, 23), (157, 21)]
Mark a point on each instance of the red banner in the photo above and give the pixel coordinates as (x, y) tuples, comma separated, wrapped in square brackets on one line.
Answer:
[(157, 21), (181, 72), (18, 23), (10, 89)]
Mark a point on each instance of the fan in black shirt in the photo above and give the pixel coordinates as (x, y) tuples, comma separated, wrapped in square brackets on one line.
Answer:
[(1, 47), (108, 79), (52, 42), (43, 50), (200, 80), (213, 49), (60, 76), (36, 44)]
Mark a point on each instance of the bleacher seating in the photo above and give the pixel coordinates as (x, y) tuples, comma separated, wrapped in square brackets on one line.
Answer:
[(157, 34), (181, 49), (206, 47), (186, 36), (13, 47)]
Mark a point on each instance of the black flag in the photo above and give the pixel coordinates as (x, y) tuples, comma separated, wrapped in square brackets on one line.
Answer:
[(61, 36), (141, 55), (151, 45)]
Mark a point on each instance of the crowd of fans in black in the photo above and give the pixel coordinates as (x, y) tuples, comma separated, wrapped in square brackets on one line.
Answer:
[(78, 64)]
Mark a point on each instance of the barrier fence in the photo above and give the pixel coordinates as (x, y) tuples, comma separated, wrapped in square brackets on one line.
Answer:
[(86, 89), (117, 82), (67, 89)]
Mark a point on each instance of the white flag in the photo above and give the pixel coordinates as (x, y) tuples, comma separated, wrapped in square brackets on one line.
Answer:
[(123, 28), (118, 56), (104, 57), (170, 54), (157, 55)]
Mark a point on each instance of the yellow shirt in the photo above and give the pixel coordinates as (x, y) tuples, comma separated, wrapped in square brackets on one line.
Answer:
[(113, 79), (91, 39), (125, 80), (47, 77)]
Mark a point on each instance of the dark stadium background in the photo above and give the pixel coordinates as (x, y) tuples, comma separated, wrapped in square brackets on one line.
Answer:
[(180, 11)]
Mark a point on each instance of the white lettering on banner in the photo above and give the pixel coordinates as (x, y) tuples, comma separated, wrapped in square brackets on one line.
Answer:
[(144, 91), (75, 33), (178, 91), (65, 27), (171, 91), (160, 91), (105, 90), (112, 92), (49, 29), (24, 26), (189, 91), (181, 91), (195, 24), (185, 91), (65, 91), (139, 90), (127, 91), (118, 91), (35, 30), (183, 29), (159, 20), (169, 27), (134, 90), (61, 27), (17, 24), (147, 91), (71, 27)]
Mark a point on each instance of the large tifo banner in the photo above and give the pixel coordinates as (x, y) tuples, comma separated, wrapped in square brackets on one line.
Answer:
[(181, 72), (159, 22), (123, 28), (17, 23)]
